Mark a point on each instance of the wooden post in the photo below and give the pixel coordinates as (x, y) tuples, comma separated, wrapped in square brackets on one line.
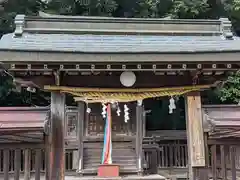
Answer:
[(144, 123), (6, 164), (81, 115), (38, 161), (232, 150), (57, 149), (17, 163), (223, 162), (139, 136), (27, 155), (195, 139), (214, 161), (47, 156)]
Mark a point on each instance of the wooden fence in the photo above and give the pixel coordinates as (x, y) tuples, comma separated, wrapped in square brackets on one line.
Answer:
[(222, 160), (29, 161), (168, 155)]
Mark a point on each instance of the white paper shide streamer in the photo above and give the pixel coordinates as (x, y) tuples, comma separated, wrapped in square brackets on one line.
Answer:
[(88, 110), (118, 111), (172, 105), (126, 113), (104, 110)]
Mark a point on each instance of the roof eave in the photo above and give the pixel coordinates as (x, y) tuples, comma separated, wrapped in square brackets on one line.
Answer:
[(76, 57), (120, 52), (5, 131)]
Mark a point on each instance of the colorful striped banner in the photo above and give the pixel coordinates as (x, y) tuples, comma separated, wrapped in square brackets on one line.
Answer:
[(107, 146)]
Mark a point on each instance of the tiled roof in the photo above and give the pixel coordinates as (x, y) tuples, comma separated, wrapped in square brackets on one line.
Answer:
[(87, 43), (223, 113), (22, 119), (22, 124), (119, 35), (225, 121)]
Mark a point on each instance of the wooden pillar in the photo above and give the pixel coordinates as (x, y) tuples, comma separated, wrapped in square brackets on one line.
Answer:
[(57, 149), (81, 115), (195, 134), (139, 137)]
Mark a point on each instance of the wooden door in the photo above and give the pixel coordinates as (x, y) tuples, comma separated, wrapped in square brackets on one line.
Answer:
[(95, 123)]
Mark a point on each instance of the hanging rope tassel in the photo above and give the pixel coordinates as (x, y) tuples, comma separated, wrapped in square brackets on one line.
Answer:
[(107, 146)]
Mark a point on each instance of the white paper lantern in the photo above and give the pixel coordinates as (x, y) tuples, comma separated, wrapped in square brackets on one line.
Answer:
[(128, 78)]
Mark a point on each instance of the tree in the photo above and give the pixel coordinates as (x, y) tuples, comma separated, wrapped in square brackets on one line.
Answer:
[(82, 7), (126, 8), (189, 9), (233, 10), (10, 8), (120, 8), (230, 89), (8, 94)]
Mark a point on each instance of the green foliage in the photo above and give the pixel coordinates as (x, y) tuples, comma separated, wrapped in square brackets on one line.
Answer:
[(147, 8), (212, 96), (230, 91), (189, 9), (9, 96), (234, 13), (6, 86), (116, 8), (10, 8), (82, 7)]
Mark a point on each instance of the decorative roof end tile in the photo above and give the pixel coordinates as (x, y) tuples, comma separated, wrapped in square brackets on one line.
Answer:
[(226, 28), (20, 23)]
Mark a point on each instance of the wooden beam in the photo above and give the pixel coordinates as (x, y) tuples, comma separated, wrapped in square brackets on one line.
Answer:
[(57, 149), (195, 136), (99, 80), (143, 80), (139, 137), (73, 68), (81, 115), (20, 145), (231, 142)]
